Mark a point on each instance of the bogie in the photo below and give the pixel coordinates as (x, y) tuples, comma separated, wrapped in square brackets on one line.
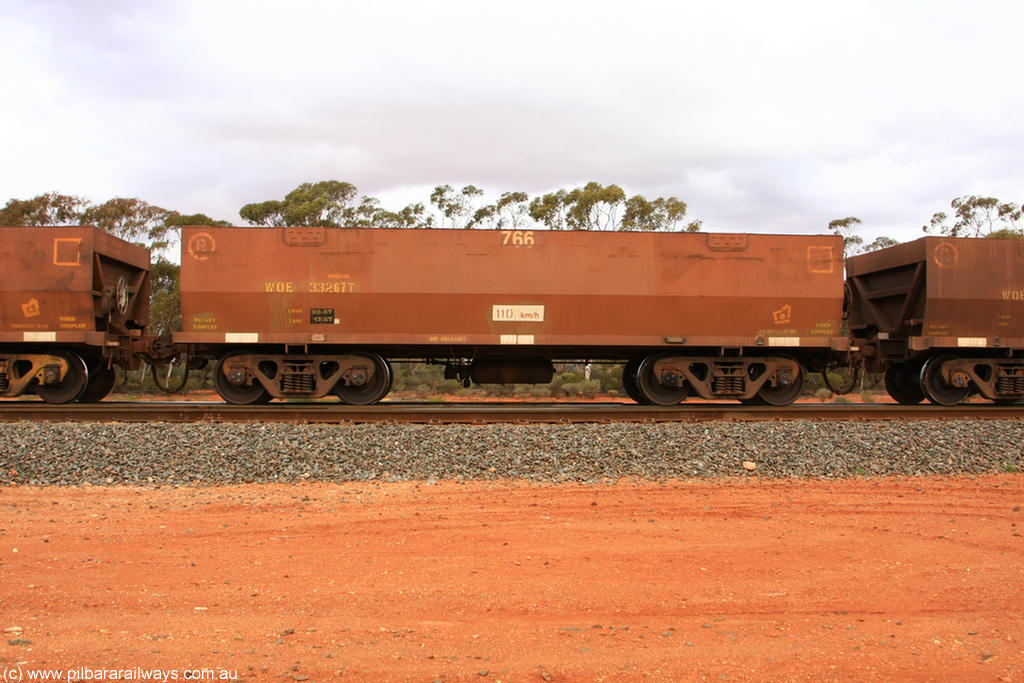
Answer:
[(667, 379)]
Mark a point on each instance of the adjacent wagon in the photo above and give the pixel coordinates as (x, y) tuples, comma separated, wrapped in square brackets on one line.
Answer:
[(73, 304), (942, 317)]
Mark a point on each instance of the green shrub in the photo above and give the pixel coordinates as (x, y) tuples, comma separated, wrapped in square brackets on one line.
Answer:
[(586, 388)]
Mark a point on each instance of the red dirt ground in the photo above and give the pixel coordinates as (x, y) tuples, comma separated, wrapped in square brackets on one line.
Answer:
[(854, 580)]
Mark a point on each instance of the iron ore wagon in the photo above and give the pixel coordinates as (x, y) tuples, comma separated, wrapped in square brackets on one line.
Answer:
[(306, 312), (73, 304), (942, 318)]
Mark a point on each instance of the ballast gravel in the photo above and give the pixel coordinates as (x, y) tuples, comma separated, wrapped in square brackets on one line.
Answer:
[(209, 453)]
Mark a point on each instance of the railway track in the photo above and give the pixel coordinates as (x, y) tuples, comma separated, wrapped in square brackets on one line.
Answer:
[(485, 413)]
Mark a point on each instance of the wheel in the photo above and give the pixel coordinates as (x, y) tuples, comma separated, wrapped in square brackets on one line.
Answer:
[(651, 388), (171, 376), (101, 382), (373, 390), (935, 387), (72, 386), (783, 394), (239, 394), (629, 380), (903, 382)]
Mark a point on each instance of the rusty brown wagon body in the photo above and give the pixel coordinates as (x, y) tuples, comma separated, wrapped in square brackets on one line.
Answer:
[(307, 311), (943, 317), (73, 303)]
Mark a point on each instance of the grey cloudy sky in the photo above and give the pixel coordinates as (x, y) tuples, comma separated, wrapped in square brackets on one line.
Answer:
[(762, 116)]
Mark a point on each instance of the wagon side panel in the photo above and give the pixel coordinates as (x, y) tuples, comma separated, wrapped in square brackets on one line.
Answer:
[(415, 289)]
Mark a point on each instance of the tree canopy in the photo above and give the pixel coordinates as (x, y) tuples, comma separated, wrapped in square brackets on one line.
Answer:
[(846, 228), (130, 219), (592, 206), (324, 203), (329, 203), (854, 243), (50, 208), (659, 214), (975, 216)]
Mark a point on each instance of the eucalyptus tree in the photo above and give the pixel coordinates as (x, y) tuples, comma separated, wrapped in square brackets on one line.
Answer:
[(51, 208), (661, 214), (975, 216), (456, 207)]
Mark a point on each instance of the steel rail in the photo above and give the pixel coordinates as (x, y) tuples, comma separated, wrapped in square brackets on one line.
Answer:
[(485, 413)]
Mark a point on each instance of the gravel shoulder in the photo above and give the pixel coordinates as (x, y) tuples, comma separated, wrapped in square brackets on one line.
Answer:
[(743, 578), (208, 454)]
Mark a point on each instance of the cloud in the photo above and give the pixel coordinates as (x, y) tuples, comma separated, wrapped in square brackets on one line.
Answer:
[(762, 116)]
